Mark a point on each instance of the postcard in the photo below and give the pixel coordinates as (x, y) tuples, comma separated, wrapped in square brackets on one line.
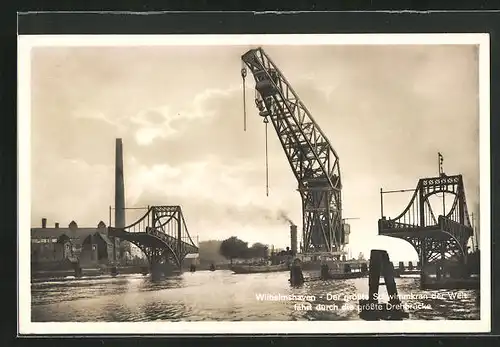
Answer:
[(254, 184)]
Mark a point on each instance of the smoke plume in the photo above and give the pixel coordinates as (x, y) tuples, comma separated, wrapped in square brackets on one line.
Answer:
[(283, 216)]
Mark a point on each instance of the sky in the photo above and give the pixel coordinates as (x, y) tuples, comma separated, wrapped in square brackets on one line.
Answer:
[(387, 111)]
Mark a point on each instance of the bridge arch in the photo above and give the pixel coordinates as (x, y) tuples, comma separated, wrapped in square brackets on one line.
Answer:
[(161, 234)]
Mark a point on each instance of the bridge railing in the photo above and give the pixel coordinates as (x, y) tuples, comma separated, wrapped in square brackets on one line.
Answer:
[(170, 240), (393, 225)]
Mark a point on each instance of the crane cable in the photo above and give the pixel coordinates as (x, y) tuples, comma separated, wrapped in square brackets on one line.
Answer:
[(266, 121), (243, 75)]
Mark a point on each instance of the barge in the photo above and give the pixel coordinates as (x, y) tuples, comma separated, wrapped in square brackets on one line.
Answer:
[(249, 269)]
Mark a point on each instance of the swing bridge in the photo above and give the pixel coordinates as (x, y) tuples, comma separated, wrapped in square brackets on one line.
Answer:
[(436, 239), (161, 234)]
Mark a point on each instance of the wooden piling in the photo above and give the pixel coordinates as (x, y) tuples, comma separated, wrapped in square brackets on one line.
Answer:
[(401, 266), (296, 275), (371, 309), (114, 271), (374, 274), (390, 282), (325, 272), (78, 271)]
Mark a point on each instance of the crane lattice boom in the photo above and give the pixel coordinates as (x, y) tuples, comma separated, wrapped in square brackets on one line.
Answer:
[(314, 162)]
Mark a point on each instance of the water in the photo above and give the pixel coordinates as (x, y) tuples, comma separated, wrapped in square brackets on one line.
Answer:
[(223, 296)]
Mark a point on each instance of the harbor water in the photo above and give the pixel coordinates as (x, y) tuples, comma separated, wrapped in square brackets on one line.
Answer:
[(224, 296)]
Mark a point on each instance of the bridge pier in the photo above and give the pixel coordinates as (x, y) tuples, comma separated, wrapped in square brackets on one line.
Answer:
[(423, 262), (156, 271), (156, 261)]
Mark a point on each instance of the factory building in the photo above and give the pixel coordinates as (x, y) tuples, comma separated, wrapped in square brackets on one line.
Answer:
[(89, 246)]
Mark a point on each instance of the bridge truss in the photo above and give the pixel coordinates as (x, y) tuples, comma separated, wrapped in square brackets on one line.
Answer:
[(434, 239), (161, 234)]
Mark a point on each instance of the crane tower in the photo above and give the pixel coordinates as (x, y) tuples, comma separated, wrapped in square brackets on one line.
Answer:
[(312, 159)]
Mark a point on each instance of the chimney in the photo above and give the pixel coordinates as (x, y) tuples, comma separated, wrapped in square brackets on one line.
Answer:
[(44, 223), (293, 238), (57, 225), (119, 186)]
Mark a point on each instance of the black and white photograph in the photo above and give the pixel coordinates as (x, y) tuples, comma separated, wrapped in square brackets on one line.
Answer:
[(254, 183)]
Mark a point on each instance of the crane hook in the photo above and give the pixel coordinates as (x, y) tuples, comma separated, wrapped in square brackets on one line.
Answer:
[(243, 75)]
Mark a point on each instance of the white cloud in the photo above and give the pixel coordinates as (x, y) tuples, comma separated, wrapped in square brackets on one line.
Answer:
[(146, 135), (146, 130)]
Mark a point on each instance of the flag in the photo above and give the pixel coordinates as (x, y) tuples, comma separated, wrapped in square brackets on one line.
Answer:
[(440, 157)]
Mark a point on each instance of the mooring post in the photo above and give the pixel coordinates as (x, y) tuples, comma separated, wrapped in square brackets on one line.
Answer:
[(371, 309), (401, 266), (78, 270), (390, 282), (325, 272), (296, 275), (375, 268)]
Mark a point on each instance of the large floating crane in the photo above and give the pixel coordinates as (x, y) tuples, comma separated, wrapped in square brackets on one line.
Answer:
[(312, 158)]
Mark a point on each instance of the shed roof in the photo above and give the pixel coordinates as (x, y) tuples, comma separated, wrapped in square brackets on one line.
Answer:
[(79, 235)]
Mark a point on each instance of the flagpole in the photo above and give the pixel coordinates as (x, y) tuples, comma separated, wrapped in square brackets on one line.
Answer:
[(441, 173)]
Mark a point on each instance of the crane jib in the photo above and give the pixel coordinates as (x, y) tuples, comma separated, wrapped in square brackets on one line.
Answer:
[(312, 159)]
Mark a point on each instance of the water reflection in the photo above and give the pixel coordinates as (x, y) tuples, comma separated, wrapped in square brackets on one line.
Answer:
[(218, 296)]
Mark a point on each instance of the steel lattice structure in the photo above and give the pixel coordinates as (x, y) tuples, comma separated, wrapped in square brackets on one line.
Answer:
[(161, 234), (312, 158), (433, 238)]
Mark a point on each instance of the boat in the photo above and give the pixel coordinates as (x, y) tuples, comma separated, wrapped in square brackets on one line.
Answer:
[(248, 269), (336, 276)]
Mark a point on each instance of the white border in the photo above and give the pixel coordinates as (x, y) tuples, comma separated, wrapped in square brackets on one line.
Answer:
[(25, 326)]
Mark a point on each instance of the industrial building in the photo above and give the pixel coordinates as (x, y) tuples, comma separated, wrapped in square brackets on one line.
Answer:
[(89, 246)]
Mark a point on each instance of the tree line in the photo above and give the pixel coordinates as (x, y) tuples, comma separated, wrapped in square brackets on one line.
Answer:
[(233, 247)]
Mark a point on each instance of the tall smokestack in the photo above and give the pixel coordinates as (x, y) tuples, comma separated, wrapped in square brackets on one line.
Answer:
[(293, 238), (44, 223), (119, 187)]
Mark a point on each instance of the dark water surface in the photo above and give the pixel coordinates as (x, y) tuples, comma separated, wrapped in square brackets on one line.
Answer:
[(223, 296)]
